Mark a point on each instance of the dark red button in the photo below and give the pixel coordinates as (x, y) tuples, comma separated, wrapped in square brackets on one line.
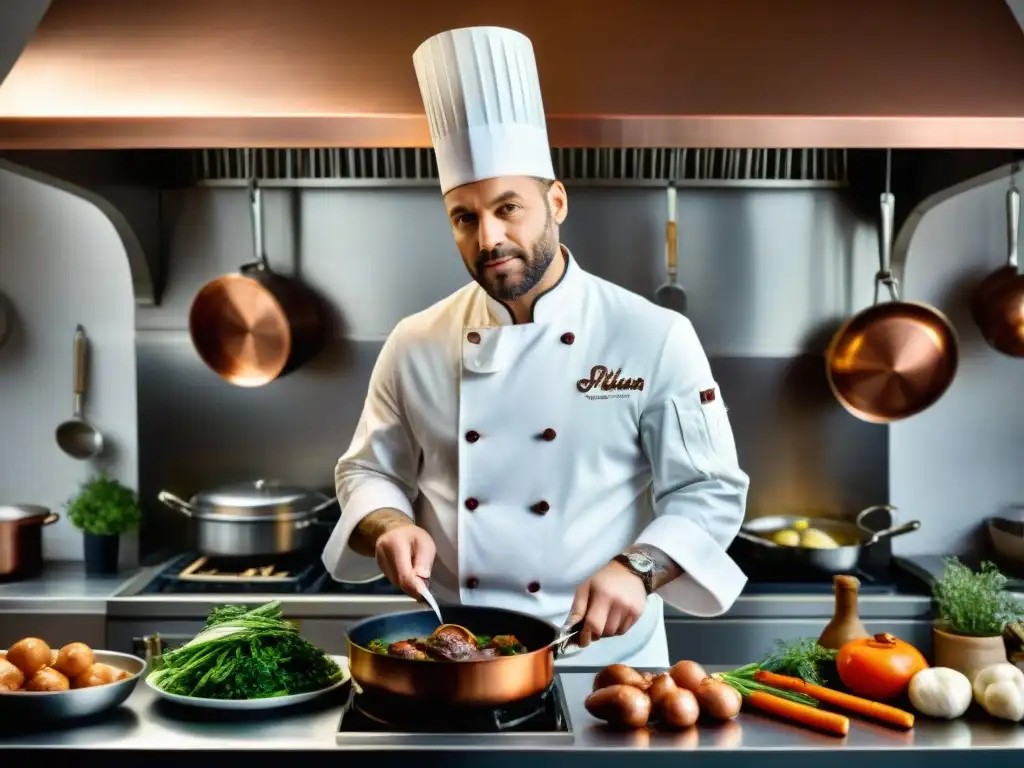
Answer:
[(474, 338), (534, 586), (472, 436), (549, 434), (541, 507), (472, 503), (568, 338), (472, 582)]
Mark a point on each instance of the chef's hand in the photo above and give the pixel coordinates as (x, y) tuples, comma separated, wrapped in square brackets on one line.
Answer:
[(610, 602), (406, 554)]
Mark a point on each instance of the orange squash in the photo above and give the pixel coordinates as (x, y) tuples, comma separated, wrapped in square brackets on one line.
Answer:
[(880, 667)]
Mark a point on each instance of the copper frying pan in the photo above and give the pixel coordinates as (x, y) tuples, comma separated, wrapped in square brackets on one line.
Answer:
[(892, 360), (255, 326), (998, 304)]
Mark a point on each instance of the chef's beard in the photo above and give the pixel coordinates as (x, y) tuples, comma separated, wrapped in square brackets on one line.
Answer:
[(509, 287)]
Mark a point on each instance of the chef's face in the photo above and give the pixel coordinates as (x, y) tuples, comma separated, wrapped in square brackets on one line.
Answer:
[(507, 231)]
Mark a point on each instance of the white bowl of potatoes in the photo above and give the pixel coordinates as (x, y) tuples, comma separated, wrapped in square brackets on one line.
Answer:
[(39, 683)]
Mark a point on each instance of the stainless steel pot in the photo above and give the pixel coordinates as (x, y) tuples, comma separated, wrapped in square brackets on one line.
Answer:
[(260, 518), (853, 538), (21, 540)]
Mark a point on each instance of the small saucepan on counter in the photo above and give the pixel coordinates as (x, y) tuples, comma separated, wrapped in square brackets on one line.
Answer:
[(263, 518), (21, 540), (820, 545)]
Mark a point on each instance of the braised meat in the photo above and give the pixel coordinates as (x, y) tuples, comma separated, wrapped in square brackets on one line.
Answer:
[(450, 643)]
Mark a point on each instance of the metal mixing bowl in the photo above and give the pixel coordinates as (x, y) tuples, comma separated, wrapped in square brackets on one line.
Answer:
[(39, 707)]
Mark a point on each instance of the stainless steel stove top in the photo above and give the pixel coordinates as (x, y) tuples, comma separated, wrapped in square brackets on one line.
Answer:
[(549, 725)]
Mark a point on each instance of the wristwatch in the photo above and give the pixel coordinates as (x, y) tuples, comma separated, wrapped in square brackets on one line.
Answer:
[(640, 564)]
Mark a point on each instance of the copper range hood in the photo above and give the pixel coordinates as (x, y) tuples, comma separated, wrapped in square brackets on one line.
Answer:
[(125, 74)]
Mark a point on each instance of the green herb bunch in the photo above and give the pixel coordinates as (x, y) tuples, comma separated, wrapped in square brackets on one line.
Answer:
[(104, 507), (245, 653), (804, 659), (975, 603)]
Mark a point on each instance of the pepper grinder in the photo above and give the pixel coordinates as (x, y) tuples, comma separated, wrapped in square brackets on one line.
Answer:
[(845, 624)]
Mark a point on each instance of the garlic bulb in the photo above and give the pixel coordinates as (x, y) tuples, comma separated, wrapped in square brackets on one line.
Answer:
[(999, 689), (940, 692)]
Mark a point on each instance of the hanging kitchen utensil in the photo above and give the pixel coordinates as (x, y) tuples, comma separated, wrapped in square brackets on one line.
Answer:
[(77, 437), (892, 360), (998, 305), (671, 294), (459, 684), (256, 326)]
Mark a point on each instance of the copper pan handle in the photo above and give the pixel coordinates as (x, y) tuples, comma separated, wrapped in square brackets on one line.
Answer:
[(885, 276), (1013, 225), (256, 206)]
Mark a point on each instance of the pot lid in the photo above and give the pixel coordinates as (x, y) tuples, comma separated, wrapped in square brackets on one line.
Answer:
[(18, 513), (268, 496)]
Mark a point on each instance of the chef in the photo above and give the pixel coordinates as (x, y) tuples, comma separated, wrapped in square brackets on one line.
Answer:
[(541, 440)]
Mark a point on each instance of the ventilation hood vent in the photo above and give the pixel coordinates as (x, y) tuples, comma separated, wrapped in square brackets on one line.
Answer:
[(356, 166), (125, 74)]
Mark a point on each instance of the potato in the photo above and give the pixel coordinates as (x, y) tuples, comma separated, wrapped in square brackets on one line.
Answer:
[(11, 678), (99, 674), (29, 655), (718, 700), (47, 679), (74, 659), (620, 674), (678, 709), (621, 706), (688, 674), (663, 685)]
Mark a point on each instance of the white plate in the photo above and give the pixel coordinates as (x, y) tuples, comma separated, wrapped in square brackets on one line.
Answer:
[(272, 702)]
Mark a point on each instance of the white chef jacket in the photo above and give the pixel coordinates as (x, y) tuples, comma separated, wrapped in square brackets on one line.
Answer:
[(534, 453)]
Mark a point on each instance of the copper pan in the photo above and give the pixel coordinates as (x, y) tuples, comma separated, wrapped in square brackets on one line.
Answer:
[(998, 303), (892, 360), (457, 684), (255, 326)]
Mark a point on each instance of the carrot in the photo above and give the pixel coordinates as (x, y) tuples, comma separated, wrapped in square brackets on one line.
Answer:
[(819, 719), (883, 713)]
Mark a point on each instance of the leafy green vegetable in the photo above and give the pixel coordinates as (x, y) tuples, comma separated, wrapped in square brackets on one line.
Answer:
[(245, 653), (104, 507), (804, 659), (972, 603)]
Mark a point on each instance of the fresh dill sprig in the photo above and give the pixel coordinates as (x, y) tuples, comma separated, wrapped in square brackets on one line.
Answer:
[(802, 658)]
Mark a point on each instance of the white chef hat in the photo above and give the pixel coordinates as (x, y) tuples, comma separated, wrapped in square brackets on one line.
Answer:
[(482, 96)]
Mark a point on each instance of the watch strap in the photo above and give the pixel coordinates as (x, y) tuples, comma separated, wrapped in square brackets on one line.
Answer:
[(647, 577)]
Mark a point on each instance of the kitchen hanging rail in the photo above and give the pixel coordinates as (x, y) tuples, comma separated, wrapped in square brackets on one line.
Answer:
[(623, 167)]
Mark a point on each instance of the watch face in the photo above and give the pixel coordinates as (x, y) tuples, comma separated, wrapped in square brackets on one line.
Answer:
[(642, 563)]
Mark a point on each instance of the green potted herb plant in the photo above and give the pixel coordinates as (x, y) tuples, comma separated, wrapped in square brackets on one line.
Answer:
[(103, 510), (974, 610)]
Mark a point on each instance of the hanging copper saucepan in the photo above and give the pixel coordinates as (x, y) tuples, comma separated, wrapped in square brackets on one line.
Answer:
[(998, 304), (892, 360), (253, 327)]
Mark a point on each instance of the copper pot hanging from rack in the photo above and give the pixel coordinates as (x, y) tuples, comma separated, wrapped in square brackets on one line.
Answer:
[(895, 359), (998, 303), (256, 326)]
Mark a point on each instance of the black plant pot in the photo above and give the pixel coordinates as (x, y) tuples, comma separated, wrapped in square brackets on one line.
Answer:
[(101, 554)]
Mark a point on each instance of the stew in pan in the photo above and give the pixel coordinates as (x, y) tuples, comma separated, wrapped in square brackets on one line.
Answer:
[(450, 642)]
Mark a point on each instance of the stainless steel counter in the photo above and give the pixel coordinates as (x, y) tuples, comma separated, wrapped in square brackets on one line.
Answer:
[(63, 587), (146, 724)]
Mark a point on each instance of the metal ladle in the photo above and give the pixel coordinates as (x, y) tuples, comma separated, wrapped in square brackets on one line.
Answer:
[(77, 437)]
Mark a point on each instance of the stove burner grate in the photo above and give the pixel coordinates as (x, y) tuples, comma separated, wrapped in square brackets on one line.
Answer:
[(193, 574), (375, 711)]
